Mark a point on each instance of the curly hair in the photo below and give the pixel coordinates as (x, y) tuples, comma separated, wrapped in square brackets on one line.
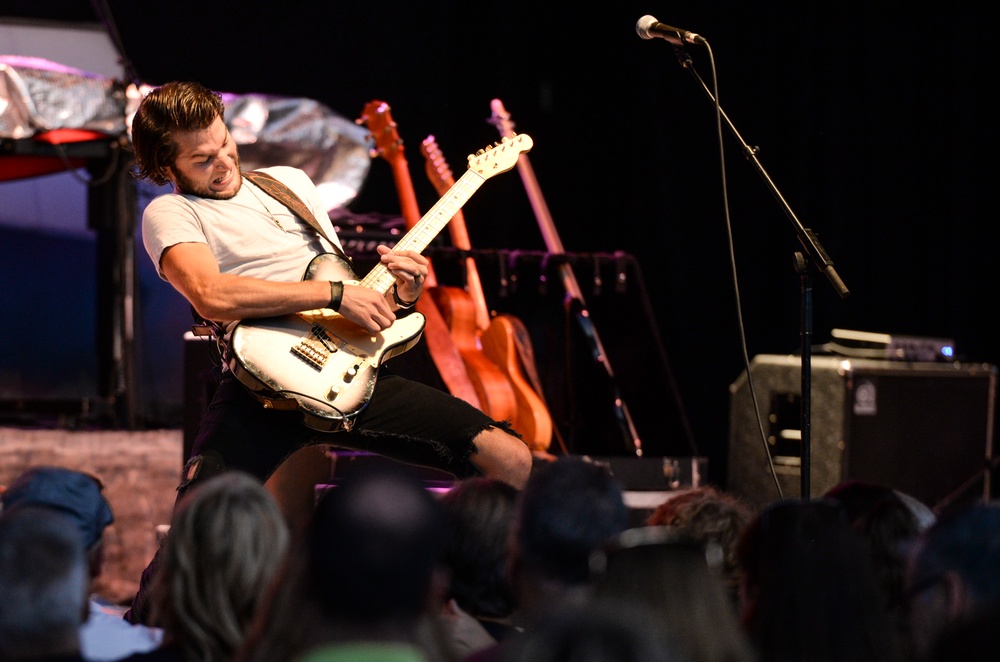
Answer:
[(706, 514), (174, 106)]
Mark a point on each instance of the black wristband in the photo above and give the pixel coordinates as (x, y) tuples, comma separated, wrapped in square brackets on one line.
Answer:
[(336, 294), (399, 301)]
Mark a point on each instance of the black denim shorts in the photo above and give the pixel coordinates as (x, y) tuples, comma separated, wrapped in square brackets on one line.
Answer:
[(404, 420)]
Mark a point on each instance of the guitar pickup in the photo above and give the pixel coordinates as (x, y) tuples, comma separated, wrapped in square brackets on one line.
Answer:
[(319, 332)]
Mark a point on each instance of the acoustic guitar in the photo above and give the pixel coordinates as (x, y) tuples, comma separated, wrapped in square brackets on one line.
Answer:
[(492, 390), (496, 337), (325, 365), (500, 118)]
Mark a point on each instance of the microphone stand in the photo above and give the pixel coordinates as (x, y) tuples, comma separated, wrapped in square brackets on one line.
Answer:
[(817, 256)]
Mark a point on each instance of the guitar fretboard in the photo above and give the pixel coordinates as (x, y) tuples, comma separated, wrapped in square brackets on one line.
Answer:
[(422, 234)]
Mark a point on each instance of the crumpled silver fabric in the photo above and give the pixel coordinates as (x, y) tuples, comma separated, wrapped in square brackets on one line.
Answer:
[(334, 151), (38, 95)]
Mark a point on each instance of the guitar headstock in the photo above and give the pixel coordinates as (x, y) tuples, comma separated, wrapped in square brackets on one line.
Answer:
[(377, 117), (502, 157), (500, 118), (437, 168)]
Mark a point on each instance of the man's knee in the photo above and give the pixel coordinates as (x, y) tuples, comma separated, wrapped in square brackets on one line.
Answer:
[(503, 456), (199, 468)]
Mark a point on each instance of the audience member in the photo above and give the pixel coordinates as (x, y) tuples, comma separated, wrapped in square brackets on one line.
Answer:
[(924, 515), (887, 524), (809, 591), (975, 637), (656, 570), (43, 586), (227, 541), (368, 584), (569, 508), (597, 632), (478, 514), (712, 517), (953, 574), (104, 635)]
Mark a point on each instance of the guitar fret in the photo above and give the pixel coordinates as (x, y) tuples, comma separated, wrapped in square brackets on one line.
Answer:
[(421, 234)]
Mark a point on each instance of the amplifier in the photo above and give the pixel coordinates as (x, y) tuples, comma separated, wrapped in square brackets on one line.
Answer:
[(925, 429)]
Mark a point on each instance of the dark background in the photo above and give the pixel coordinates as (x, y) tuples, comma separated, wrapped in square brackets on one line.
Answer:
[(872, 119)]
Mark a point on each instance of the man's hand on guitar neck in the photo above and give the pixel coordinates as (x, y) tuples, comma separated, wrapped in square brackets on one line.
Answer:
[(410, 270)]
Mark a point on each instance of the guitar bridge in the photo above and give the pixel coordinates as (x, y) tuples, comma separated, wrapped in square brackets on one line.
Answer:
[(315, 350), (311, 352)]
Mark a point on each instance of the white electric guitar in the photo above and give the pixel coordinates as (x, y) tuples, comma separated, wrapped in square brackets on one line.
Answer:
[(319, 362)]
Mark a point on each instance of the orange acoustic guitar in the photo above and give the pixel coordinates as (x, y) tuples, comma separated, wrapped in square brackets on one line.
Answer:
[(495, 337), (492, 391)]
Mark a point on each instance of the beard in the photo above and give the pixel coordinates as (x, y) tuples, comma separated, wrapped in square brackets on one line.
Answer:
[(186, 185)]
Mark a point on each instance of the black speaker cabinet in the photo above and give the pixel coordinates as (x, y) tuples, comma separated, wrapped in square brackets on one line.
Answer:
[(925, 429)]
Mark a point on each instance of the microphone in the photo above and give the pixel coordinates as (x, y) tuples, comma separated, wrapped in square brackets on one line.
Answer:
[(649, 28)]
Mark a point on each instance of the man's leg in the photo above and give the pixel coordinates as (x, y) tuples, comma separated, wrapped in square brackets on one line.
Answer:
[(415, 423), (501, 455)]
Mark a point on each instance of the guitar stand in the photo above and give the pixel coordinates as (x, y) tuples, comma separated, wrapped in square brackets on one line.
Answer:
[(577, 307)]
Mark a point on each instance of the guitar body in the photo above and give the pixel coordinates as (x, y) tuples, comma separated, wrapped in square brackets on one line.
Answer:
[(494, 390), (499, 342), (322, 364)]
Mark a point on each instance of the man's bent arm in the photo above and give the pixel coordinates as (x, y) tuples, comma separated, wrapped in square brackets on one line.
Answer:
[(193, 270)]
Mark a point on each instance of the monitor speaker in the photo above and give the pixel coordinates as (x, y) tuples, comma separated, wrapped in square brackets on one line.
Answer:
[(925, 429)]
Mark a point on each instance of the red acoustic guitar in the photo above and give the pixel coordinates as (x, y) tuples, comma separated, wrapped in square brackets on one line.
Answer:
[(495, 337), (501, 119), (491, 390)]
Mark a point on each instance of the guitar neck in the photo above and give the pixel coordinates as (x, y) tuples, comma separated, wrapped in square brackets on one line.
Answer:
[(408, 201), (442, 179), (501, 119), (423, 232)]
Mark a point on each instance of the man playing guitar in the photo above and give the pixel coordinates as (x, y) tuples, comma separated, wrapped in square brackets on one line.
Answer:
[(237, 253)]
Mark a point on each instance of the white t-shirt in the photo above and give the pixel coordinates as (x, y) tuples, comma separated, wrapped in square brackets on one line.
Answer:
[(251, 234)]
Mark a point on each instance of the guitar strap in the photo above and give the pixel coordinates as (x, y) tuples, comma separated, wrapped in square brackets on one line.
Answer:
[(286, 196)]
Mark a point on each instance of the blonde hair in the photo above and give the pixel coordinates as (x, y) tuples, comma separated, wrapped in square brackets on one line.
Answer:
[(227, 540)]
